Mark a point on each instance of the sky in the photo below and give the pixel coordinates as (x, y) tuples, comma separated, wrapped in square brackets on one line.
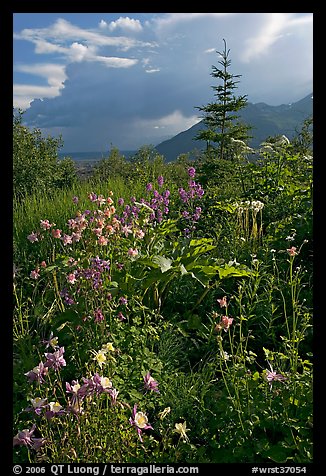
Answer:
[(103, 80)]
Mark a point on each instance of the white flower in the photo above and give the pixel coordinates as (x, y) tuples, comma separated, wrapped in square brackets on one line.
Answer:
[(181, 429)]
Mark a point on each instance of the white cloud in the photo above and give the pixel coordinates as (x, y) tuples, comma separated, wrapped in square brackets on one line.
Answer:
[(210, 50), (124, 23), (24, 94), (54, 73), (172, 123), (273, 28), (152, 70)]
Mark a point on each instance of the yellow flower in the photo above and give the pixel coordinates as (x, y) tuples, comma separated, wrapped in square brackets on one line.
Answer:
[(181, 429), (141, 420), (163, 413), (100, 357), (108, 347), (105, 382), (55, 407)]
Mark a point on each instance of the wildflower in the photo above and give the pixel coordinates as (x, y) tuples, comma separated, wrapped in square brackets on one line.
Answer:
[(15, 270), (191, 172), (67, 239), (55, 360), (123, 301), (149, 187), (272, 376), (150, 383), (222, 302), (121, 202), (74, 390), (37, 373), (35, 274), (43, 264), (24, 437), (132, 252), (46, 225), (33, 237), (292, 251), (37, 405), (100, 357), (140, 421), (71, 278), (114, 395), (56, 233), (52, 341), (181, 429), (226, 322), (75, 199), (160, 181), (108, 347), (55, 409), (98, 316), (105, 383), (121, 317), (163, 413)]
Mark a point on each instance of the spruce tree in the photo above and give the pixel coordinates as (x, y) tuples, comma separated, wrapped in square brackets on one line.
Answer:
[(222, 124)]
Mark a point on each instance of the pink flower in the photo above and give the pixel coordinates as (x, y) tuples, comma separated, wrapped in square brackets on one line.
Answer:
[(102, 241), (292, 251), (33, 237), (132, 252), (121, 316), (45, 224), (43, 264), (67, 239), (35, 274), (75, 199), (222, 302), (56, 233), (150, 383), (71, 278), (226, 322)]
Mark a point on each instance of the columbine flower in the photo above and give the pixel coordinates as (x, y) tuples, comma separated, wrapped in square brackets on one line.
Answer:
[(123, 301), (66, 239), (55, 360), (38, 373), (140, 421), (222, 302), (46, 225), (121, 316), (71, 278), (33, 237), (75, 199), (52, 341), (98, 316), (292, 251), (56, 233), (108, 347), (24, 437), (105, 383), (37, 405), (132, 252), (35, 274), (181, 429), (55, 409), (191, 172), (100, 357), (226, 322), (164, 412), (272, 376), (150, 383)]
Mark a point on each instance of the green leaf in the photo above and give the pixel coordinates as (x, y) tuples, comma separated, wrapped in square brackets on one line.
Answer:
[(164, 263), (277, 453)]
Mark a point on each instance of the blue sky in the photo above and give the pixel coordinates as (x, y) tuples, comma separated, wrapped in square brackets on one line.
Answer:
[(129, 79)]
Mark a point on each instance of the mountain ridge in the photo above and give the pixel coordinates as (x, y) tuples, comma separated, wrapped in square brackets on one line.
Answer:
[(266, 121)]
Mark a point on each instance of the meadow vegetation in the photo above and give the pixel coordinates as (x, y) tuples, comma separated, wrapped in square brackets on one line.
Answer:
[(163, 312)]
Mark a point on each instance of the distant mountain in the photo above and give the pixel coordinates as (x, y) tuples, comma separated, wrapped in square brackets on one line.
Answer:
[(265, 120)]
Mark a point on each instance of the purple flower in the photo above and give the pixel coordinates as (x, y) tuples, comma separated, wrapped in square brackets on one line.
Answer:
[(75, 199), (55, 360), (140, 421), (150, 383), (191, 172), (272, 376), (149, 187), (123, 301), (160, 181), (98, 316), (24, 437), (121, 317), (121, 202), (37, 374)]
